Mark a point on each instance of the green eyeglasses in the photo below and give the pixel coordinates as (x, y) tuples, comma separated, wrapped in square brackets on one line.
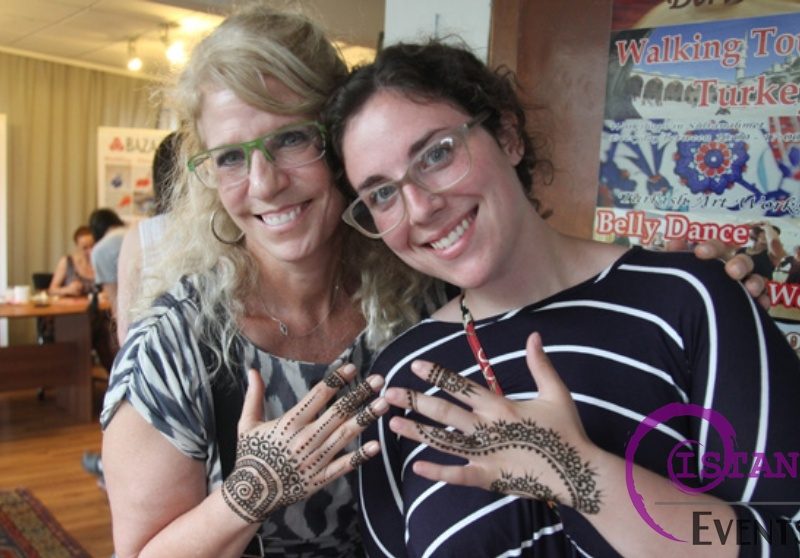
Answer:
[(292, 146)]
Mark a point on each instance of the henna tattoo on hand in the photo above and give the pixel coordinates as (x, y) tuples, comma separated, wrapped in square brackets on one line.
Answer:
[(526, 486), (270, 474), (449, 381), (265, 478), (576, 475)]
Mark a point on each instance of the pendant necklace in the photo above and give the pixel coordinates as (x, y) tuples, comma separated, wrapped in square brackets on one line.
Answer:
[(284, 329)]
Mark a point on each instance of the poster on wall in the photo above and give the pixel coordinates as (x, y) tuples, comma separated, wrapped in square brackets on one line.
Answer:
[(124, 169), (701, 139)]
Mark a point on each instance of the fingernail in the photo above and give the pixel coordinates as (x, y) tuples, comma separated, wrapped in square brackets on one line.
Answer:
[(739, 269), (375, 381), (380, 406)]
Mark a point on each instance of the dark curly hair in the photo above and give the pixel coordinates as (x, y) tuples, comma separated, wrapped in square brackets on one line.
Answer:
[(433, 71)]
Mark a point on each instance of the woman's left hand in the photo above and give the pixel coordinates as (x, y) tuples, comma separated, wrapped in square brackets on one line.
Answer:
[(536, 448), (737, 266)]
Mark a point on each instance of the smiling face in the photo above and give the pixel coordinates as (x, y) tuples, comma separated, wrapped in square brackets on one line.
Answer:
[(286, 214), (465, 235)]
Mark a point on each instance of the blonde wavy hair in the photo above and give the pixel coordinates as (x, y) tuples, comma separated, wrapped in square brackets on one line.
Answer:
[(254, 42)]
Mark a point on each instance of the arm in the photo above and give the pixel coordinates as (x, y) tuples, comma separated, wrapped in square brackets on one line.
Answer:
[(516, 447), (167, 512), (128, 279), (57, 287)]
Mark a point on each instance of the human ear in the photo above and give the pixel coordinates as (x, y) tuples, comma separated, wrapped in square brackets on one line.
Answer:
[(509, 136)]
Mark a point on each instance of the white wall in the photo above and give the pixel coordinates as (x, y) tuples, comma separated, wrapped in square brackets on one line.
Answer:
[(3, 224), (414, 20)]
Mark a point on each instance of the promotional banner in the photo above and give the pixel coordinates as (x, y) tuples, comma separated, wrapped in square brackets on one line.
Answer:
[(124, 169), (701, 139)]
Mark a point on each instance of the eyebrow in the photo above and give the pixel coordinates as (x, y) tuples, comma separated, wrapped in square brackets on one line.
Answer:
[(413, 149)]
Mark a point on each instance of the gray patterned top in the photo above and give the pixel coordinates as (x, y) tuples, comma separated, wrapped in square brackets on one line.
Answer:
[(160, 371)]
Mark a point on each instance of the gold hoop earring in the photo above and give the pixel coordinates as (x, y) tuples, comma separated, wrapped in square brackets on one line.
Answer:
[(218, 237)]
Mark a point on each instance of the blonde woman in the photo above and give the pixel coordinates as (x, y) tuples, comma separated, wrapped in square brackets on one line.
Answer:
[(258, 272)]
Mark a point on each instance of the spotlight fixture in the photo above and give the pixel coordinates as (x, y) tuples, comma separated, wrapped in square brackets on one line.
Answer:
[(175, 50), (134, 62)]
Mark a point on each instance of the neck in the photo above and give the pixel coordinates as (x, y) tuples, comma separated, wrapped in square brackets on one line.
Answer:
[(289, 291), (545, 262)]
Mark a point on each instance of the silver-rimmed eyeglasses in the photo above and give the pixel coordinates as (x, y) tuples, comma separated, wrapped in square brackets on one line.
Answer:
[(439, 165), (288, 147)]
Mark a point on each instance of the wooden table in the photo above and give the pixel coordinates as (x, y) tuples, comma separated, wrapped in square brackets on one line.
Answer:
[(65, 364)]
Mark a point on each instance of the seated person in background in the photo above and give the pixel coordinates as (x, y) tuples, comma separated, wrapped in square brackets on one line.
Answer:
[(74, 275), (141, 245), (107, 229)]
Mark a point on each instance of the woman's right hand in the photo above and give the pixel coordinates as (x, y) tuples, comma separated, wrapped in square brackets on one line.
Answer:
[(286, 460)]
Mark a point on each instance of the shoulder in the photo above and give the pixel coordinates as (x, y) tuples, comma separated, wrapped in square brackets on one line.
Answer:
[(675, 267), (169, 319)]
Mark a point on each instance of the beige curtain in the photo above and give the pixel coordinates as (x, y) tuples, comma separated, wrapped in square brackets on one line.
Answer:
[(53, 113)]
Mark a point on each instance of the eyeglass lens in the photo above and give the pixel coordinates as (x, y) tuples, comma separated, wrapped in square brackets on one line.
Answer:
[(288, 148), (442, 163)]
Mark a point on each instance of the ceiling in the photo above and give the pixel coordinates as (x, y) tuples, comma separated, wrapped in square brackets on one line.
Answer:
[(100, 33)]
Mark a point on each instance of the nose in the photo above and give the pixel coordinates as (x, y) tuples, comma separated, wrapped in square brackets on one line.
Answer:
[(421, 205), (265, 179)]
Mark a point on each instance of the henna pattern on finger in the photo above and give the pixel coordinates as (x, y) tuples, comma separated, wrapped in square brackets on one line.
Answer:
[(449, 381), (359, 458), (577, 476), (349, 404), (335, 380), (366, 416)]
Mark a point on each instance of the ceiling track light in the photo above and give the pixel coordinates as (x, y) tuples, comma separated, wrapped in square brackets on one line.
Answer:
[(134, 62), (175, 51)]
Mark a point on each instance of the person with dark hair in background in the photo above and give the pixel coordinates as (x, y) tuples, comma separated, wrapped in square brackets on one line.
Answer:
[(108, 230), (491, 450)]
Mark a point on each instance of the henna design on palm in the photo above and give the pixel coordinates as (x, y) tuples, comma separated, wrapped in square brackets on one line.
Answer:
[(449, 381), (577, 476)]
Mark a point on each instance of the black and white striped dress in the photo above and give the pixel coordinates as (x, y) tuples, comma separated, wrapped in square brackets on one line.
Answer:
[(162, 373), (652, 329)]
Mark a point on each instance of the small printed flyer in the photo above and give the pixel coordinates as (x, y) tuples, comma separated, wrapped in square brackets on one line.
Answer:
[(701, 139)]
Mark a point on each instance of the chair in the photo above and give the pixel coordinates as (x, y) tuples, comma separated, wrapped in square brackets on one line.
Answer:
[(41, 280)]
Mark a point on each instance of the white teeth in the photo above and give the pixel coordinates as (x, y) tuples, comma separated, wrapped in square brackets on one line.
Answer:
[(454, 235), (281, 218)]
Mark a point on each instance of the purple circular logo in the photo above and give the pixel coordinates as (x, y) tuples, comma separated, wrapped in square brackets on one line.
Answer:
[(726, 433)]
